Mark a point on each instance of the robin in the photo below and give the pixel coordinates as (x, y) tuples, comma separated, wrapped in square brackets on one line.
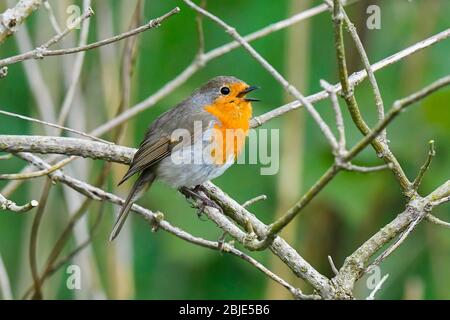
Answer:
[(193, 142)]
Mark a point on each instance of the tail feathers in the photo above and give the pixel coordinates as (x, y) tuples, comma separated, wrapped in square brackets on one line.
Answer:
[(132, 197), (124, 211), (126, 176)]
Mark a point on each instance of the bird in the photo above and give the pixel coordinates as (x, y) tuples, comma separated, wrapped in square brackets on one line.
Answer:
[(195, 141)]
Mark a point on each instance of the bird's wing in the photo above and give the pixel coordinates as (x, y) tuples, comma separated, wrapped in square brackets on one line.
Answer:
[(158, 144)]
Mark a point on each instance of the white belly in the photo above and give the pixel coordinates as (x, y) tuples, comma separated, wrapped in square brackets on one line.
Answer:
[(186, 167)]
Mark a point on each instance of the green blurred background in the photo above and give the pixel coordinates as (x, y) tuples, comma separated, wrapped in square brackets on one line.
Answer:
[(146, 265)]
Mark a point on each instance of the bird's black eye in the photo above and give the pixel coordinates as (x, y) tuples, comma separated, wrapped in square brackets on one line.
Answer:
[(225, 90)]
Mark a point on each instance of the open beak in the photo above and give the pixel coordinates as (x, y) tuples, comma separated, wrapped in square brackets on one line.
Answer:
[(246, 91)]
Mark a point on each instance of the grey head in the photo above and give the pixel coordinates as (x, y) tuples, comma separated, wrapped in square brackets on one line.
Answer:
[(191, 109), (213, 89)]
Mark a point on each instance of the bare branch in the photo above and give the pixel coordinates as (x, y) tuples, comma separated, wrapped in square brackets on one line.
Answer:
[(367, 66), (354, 265), (337, 111), (333, 266), (43, 52), (6, 156), (254, 200), (397, 107), (32, 252), (397, 243), (437, 221), (284, 220), (76, 71), (35, 174), (67, 146), (352, 167), (371, 137), (355, 79), (425, 166), (6, 204), (11, 114), (98, 194), (12, 18), (279, 246), (200, 32), (51, 16), (440, 201)]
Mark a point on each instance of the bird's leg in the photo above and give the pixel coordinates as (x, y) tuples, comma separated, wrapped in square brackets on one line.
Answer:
[(199, 188), (205, 202)]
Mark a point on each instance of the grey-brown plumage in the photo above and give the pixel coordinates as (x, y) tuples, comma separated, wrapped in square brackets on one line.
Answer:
[(157, 144)]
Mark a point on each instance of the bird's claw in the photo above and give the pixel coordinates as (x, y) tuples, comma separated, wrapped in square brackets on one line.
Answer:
[(202, 202)]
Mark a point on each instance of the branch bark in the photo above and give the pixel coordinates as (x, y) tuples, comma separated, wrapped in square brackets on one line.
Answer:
[(12, 18)]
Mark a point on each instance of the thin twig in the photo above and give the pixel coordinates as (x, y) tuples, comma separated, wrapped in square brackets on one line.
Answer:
[(15, 115), (437, 221), (395, 110), (6, 156), (355, 79), (66, 146), (290, 214), (39, 88), (294, 291), (254, 200), (59, 36), (58, 247), (6, 204), (440, 201), (36, 174), (339, 119), (76, 71), (200, 31), (332, 265), (424, 168), (93, 232), (32, 253), (51, 17), (354, 265), (397, 243), (42, 52), (371, 137), (13, 17), (367, 66), (353, 167)]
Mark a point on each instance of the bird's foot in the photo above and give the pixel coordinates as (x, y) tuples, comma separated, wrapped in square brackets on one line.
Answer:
[(194, 194)]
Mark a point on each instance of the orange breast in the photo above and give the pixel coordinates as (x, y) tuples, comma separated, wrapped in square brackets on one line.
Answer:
[(234, 116)]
